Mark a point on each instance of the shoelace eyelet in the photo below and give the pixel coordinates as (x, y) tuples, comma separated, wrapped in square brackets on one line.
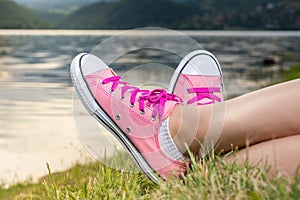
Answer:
[(118, 117), (128, 129), (131, 105), (153, 118), (142, 112), (122, 98)]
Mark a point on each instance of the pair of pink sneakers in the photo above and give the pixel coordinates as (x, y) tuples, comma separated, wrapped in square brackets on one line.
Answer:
[(134, 115)]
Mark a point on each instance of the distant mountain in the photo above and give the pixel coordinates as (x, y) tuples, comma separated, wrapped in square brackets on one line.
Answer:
[(126, 14), (175, 14), (15, 16), (253, 14), (54, 11), (50, 4), (187, 14)]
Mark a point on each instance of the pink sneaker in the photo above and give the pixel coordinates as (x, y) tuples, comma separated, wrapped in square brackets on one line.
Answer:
[(198, 79), (132, 115)]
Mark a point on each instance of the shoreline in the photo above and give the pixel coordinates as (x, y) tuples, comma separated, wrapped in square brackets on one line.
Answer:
[(87, 32)]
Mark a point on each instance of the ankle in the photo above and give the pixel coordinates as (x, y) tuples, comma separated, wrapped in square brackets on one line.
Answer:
[(188, 126), (175, 120)]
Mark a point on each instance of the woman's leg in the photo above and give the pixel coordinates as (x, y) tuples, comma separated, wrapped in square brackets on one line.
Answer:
[(281, 155), (269, 113)]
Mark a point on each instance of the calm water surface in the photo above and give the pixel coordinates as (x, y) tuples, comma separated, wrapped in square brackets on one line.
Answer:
[(36, 115)]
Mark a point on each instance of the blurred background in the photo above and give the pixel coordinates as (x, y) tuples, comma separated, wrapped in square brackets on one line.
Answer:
[(128, 14), (256, 42)]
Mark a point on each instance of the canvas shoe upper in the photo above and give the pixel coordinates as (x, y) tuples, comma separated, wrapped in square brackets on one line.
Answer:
[(132, 115), (198, 79)]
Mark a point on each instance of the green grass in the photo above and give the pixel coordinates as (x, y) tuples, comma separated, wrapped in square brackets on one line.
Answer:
[(214, 178), (292, 73)]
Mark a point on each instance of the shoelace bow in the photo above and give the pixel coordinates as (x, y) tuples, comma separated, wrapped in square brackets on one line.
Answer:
[(156, 98), (202, 93)]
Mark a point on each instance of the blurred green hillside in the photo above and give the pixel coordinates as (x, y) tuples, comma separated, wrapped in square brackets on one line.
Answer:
[(15, 16), (130, 14), (175, 14), (188, 14)]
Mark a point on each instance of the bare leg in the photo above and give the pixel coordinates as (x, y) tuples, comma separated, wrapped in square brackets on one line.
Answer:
[(269, 113), (282, 155)]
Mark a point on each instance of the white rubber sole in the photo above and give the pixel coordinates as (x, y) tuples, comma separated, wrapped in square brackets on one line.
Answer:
[(100, 115), (183, 63)]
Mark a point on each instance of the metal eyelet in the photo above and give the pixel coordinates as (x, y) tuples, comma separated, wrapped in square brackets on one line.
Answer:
[(153, 118), (111, 91), (128, 129), (131, 105), (142, 112), (187, 91), (101, 84), (117, 117), (122, 98)]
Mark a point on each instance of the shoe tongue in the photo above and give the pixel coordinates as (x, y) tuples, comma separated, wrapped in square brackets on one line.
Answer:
[(108, 72), (203, 81)]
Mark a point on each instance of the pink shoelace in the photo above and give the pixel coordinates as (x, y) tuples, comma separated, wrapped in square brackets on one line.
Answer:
[(156, 98), (203, 93)]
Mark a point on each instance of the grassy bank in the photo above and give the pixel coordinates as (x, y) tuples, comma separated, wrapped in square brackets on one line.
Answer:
[(290, 74), (214, 178)]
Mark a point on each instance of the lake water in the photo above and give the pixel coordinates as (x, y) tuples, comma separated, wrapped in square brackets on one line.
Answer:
[(36, 104)]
